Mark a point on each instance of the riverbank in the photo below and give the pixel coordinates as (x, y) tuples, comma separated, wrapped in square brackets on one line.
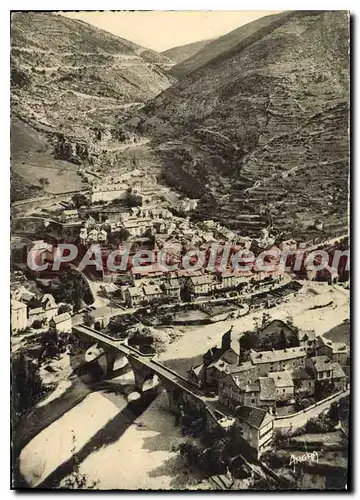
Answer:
[(144, 457), (194, 342), (101, 438)]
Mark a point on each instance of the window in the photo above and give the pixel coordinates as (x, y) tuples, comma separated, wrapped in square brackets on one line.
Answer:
[(283, 390), (310, 384), (328, 374), (252, 401), (321, 375)]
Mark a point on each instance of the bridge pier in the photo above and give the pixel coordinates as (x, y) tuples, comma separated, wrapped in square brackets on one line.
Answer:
[(141, 373), (110, 361), (174, 397)]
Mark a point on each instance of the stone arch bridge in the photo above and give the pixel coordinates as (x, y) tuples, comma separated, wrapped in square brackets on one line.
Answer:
[(179, 389)]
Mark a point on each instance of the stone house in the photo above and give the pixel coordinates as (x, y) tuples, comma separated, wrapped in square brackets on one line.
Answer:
[(267, 395), (230, 347), (307, 340), (304, 382), (278, 360), (109, 192), (339, 378), (18, 316), (232, 280), (61, 323), (336, 351), (200, 285), (152, 292), (324, 370), (69, 216), (46, 310), (321, 367), (172, 288), (340, 353), (231, 391), (256, 429), (133, 296), (284, 385)]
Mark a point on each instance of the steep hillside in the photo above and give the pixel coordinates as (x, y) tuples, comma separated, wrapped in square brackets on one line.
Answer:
[(75, 85), (182, 52), (260, 133), (236, 40)]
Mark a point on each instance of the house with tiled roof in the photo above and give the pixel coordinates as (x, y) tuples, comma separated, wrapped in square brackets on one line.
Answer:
[(321, 367), (172, 288), (284, 385), (324, 369), (277, 360), (61, 323), (196, 375), (336, 351), (307, 340), (339, 378), (152, 292), (267, 395), (256, 429), (235, 389), (304, 382), (200, 285), (230, 347), (18, 315), (133, 296)]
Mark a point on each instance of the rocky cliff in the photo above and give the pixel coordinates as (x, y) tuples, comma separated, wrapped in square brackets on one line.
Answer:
[(260, 131)]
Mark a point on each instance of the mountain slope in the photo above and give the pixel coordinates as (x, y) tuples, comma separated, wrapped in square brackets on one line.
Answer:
[(75, 85), (182, 52), (57, 59), (260, 133), (236, 40)]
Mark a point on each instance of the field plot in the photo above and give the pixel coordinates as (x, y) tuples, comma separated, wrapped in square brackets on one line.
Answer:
[(33, 162), (61, 176)]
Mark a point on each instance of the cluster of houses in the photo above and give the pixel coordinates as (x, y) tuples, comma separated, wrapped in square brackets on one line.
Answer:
[(29, 310), (262, 381), (146, 284)]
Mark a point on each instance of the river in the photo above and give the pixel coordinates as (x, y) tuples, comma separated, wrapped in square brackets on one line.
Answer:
[(54, 438)]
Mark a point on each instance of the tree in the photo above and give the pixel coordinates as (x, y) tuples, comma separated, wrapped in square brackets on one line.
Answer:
[(64, 308), (256, 321), (88, 320), (37, 324), (50, 346), (26, 384), (80, 199), (217, 457), (73, 290), (117, 237), (282, 340), (44, 181), (265, 320)]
